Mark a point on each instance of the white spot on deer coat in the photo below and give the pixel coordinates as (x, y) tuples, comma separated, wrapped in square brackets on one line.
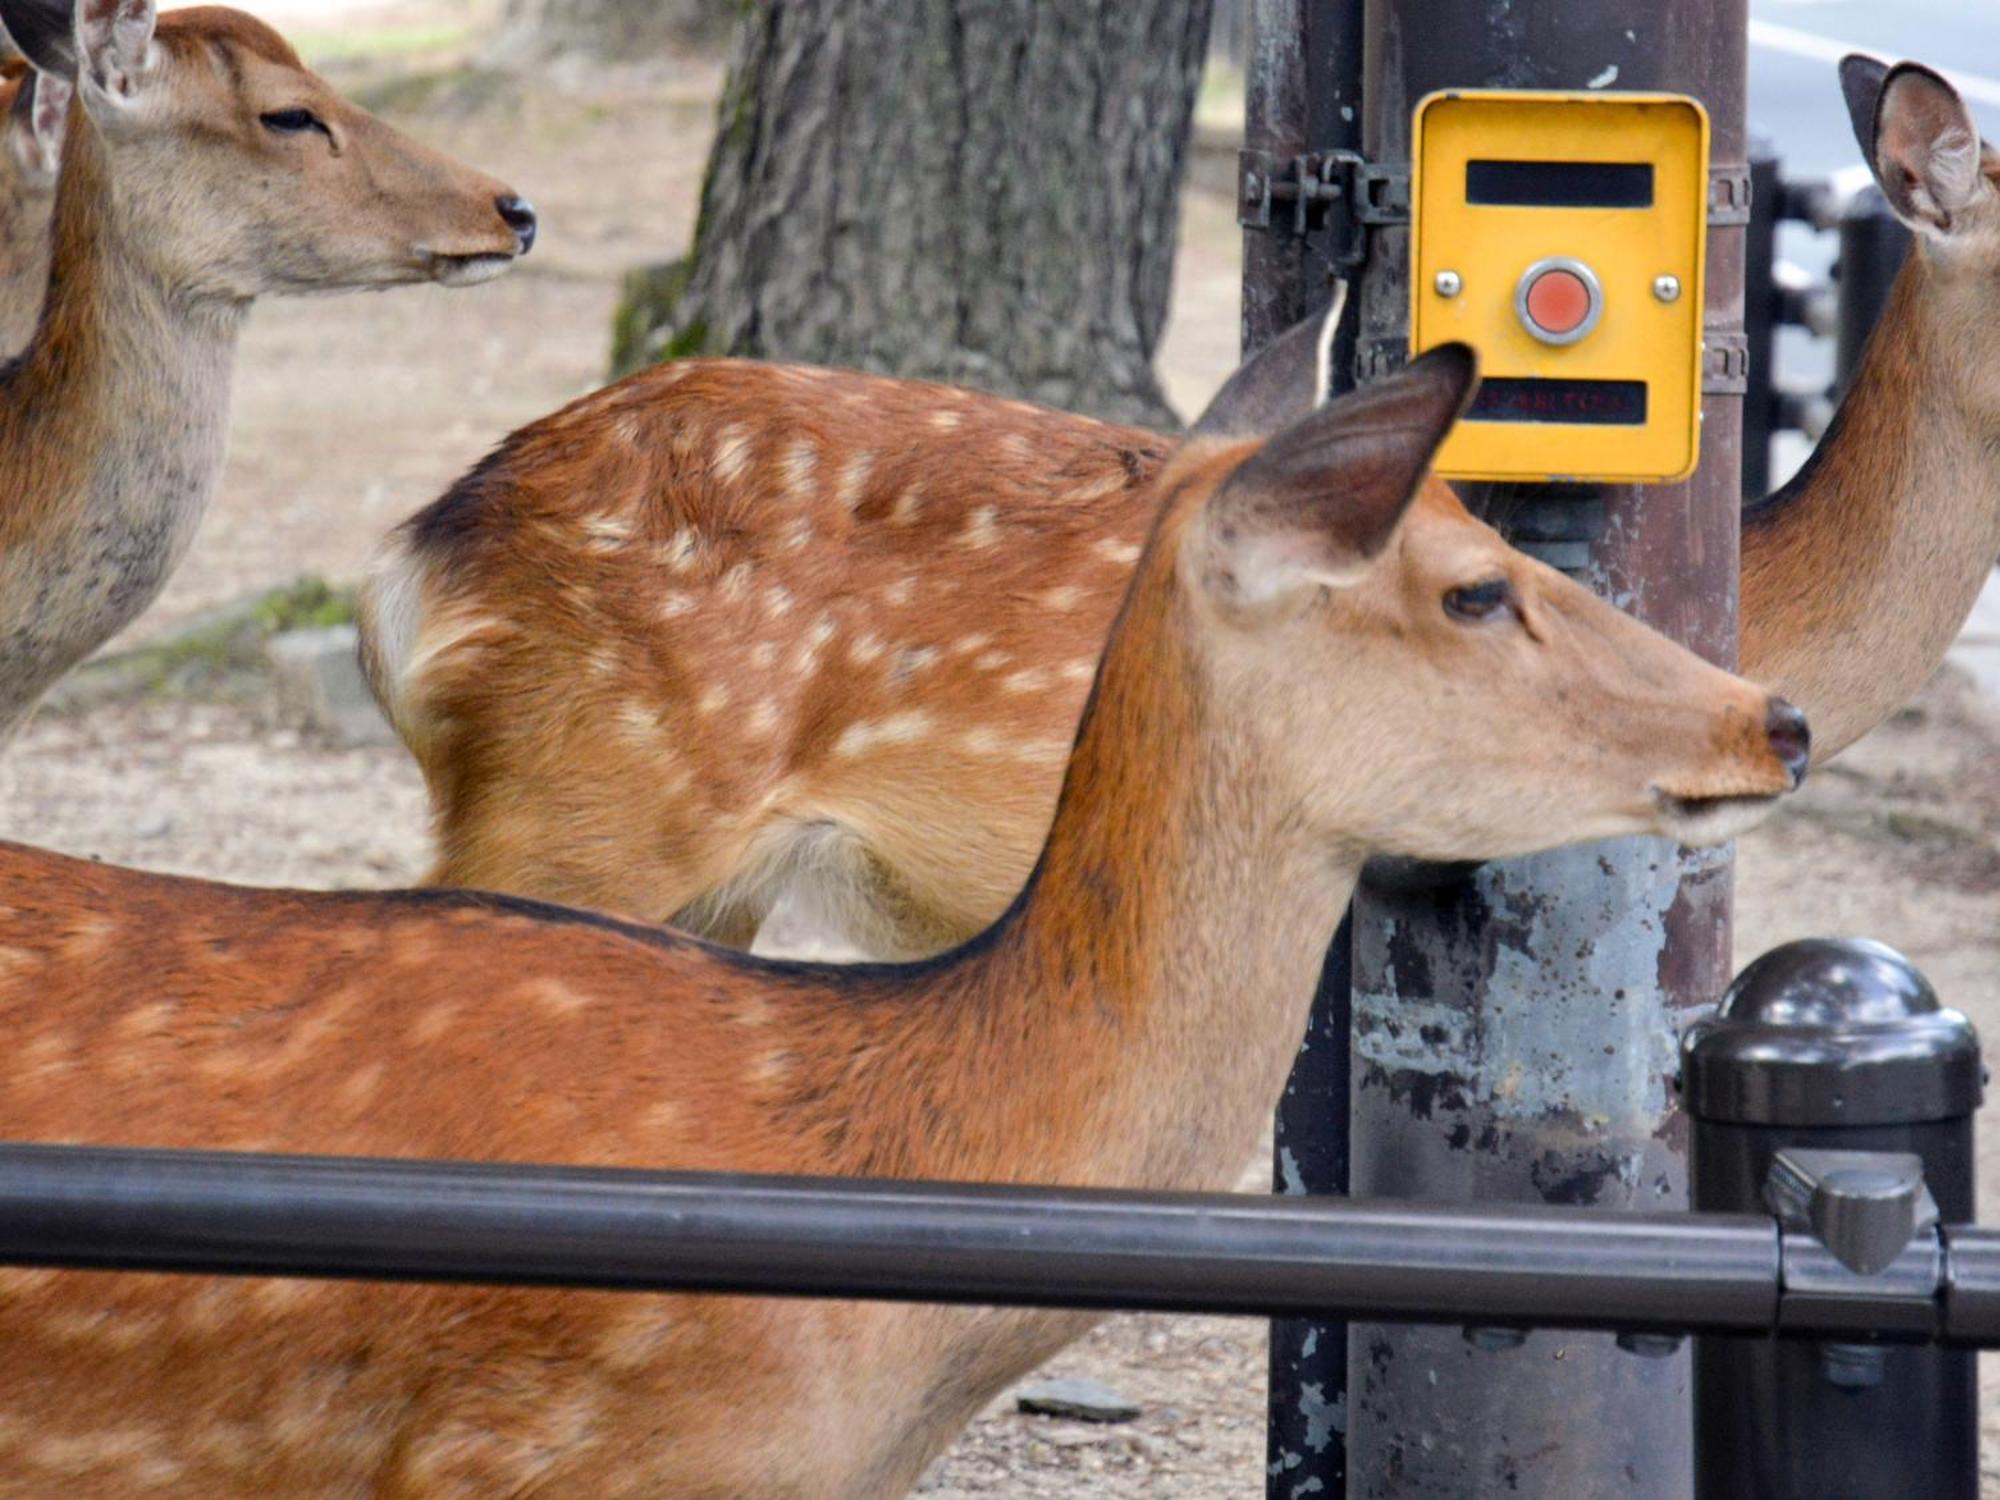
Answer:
[(801, 470), (1122, 553), (1027, 680), (730, 456), (854, 479), (980, 530), (897, 729)]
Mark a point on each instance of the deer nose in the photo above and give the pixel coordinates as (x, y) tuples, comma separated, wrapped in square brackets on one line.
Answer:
[(520, 216), (1790, 737)]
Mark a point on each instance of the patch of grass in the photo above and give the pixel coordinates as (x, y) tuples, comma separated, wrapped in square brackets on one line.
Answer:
[(220, 655)]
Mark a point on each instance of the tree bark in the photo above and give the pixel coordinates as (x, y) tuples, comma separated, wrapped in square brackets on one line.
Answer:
[(611, 28), (978, 191)]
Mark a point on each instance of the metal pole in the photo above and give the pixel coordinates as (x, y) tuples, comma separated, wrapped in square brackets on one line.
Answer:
[(474, 1223), (1304, 92), (218, 1213), (1515, 1025), (1760, 321), (1838, 1045)]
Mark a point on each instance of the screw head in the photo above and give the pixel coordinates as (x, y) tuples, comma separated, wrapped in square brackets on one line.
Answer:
[(1650, 1345), (1448, 284), (1667, 288), (1854, 1367)]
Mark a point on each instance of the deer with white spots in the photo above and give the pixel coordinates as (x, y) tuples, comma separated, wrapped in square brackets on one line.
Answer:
[(203, 166), (727, 635), (1319, 657), (33, 111)]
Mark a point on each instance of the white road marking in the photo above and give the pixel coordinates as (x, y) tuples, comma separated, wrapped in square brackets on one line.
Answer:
[(1816, 48)]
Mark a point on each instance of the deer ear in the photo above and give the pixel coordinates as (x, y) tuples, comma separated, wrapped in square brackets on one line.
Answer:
[(114, 39), (1317, 504), (1926, 151), (35, 130), (1280, 383), (42, 29), (1861, 78)]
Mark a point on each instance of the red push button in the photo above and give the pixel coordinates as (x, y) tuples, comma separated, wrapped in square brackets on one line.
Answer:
[(1559, 301)]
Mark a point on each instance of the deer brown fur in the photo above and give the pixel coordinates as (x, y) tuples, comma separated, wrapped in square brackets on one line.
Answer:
[(1129, 1022), (202, 167), (730, 635)]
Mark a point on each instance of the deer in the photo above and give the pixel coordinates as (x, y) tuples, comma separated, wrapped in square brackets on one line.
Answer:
[(1320, 656), (203, 166), (1860, 571), (34, 109), (622, 648)]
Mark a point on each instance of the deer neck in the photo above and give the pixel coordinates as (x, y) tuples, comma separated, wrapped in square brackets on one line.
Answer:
[(113, 424), (24, 260), (1161, 963), (1858, 574)]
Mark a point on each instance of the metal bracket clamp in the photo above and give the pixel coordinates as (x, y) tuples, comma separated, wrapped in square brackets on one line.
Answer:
[(1864, 1206), (1335, 190), (1728, 197), (1857, 1236), (1725, 362)]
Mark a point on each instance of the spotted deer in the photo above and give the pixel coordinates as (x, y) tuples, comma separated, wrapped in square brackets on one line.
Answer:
[(33, 110), (1319, 657), (203, 166), (729, 635)]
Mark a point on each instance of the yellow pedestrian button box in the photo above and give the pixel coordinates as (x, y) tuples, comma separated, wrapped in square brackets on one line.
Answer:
[(1563, 236)]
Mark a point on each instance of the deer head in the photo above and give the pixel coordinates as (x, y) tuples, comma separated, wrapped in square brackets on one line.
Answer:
[(239, 172), (1943, 182), (1488, 705)]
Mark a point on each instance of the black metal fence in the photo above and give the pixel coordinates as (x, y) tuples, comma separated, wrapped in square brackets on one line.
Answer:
[(1835, 1290)]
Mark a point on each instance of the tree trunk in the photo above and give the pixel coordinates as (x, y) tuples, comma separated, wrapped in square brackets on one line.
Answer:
[(611, 28), (977, 191)]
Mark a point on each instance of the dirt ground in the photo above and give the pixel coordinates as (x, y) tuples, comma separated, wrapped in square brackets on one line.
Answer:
[(350, 413)]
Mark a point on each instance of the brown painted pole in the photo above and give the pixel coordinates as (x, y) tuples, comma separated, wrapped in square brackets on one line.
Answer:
[(1515, 1024)]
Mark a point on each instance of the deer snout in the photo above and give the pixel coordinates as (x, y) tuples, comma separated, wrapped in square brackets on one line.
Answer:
[(1790, 737), (519, 215)]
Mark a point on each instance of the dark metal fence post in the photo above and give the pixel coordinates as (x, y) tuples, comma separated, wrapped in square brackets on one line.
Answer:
[(1873, 243), (1515, 1026), (1304, 90), (1760, 321), (1837, 1045)]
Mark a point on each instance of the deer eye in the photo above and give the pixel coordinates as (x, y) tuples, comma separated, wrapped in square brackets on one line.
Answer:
[(1479, 601), (294, 122)]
